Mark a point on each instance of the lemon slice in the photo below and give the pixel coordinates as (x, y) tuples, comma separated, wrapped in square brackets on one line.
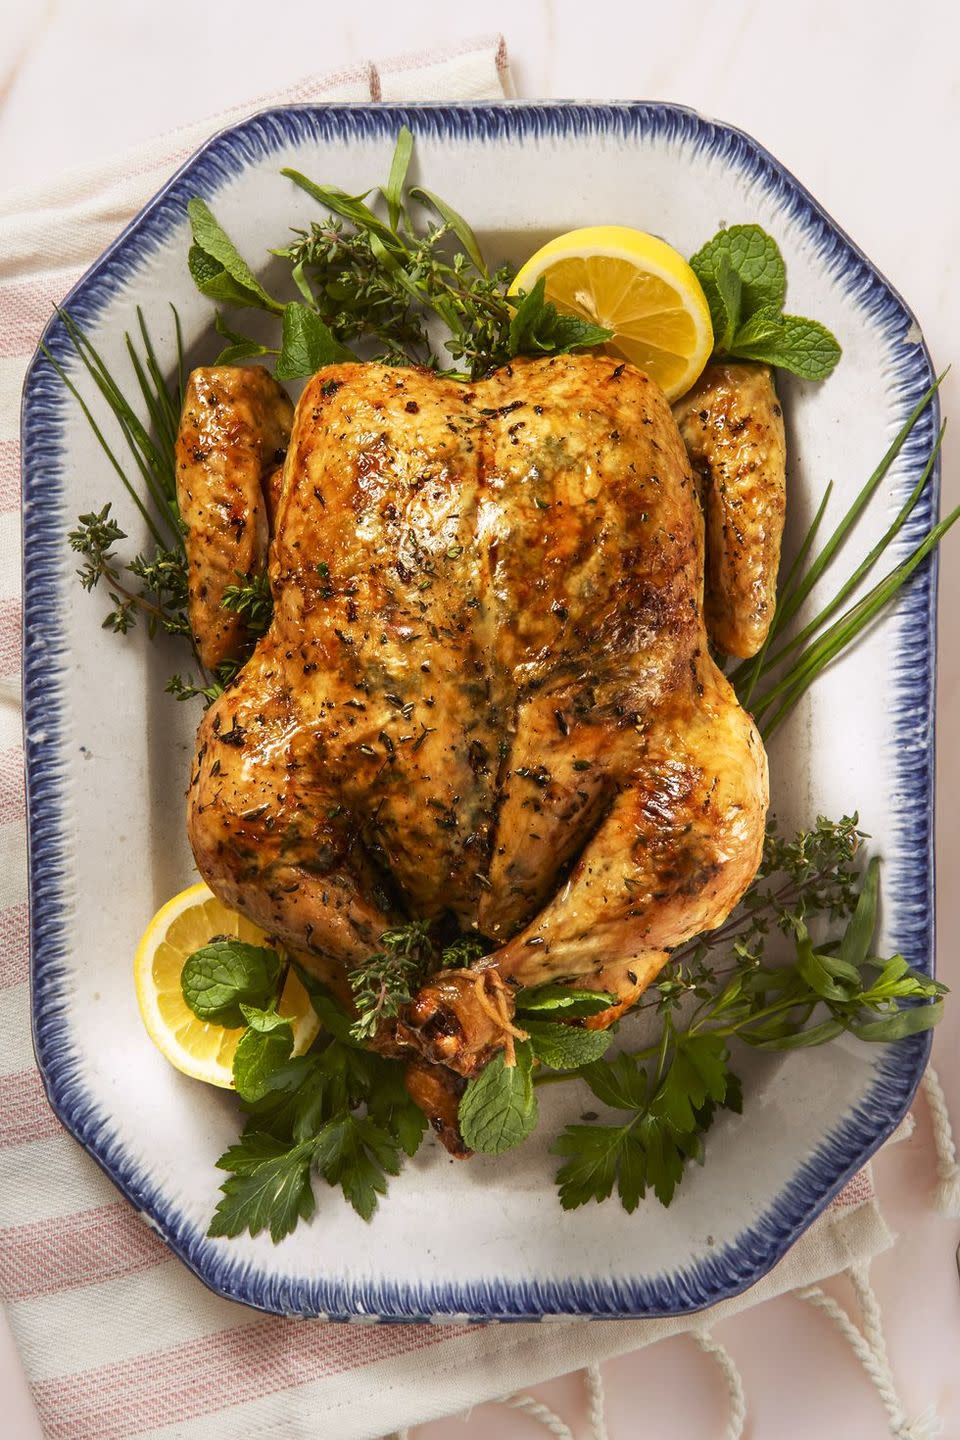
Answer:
[(198, 1047), (637, 286)]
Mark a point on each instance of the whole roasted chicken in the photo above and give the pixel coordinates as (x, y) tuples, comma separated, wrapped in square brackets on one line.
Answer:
[(487, 697)]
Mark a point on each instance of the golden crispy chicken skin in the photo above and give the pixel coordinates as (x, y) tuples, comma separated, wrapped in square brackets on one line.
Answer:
[(732, 426), (234, 431), (486, 689)]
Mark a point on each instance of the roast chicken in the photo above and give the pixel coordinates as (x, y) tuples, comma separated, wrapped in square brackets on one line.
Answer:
[(487, 698)]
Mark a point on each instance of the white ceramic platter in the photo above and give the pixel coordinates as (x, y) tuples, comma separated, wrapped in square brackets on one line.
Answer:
[(108, 752)]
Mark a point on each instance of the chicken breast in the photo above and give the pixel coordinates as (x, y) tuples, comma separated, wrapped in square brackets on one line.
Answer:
[(732, 426)]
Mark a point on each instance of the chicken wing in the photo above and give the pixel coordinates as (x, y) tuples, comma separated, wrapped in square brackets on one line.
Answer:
[(732, 426), (233, 433)]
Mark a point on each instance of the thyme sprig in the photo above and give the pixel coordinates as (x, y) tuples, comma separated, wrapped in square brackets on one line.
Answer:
[(389, 978)]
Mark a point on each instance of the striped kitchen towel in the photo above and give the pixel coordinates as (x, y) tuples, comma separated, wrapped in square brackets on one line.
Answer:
[(118, 1339)]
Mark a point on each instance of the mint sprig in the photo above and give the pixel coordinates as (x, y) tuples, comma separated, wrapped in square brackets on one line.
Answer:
[(224, 975), (744, 279), (499, 1108)]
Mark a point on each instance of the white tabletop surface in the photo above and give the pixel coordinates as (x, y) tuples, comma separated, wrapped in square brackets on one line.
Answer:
[(861, 101)]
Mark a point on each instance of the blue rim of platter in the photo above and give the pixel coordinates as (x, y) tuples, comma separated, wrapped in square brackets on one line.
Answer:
[(909, 885)]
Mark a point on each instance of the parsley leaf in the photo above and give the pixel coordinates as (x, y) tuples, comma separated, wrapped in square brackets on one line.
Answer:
[(499, 1108), (620, 1082), (698, 1073), (357, 1154), (669, 1117), (269, 1189), (391, 1106), (226, 973), (594, 1153)]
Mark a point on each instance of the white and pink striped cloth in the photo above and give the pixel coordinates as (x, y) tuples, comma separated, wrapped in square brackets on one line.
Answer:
[(118, 1339)]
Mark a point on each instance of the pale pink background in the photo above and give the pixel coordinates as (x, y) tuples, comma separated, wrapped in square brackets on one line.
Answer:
[(861, 101)]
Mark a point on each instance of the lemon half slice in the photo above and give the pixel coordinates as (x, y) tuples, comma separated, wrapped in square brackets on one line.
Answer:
[(637, 286), (197, 1047)]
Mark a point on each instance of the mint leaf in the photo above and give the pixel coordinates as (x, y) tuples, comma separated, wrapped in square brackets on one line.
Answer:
[(572, 1003), (566, 1047), (270, 1188), (307, 345), (539, 328), (526, 315), (805, 348), (262, 1052), (755, 258), (219, 978), (725, 300), (558, 332), (764, 325), (241, 347), (217, 267), (499, 1108), (263, 1021), (357, 1154)]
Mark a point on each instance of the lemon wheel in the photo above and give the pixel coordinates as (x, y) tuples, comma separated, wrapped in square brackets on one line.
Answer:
[(637, 286), (196, 1047)]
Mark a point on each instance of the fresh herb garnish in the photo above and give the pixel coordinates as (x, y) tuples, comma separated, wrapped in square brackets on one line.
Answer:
[(379, 282), (384, 283), (563, 1000), (462, 952), (673, 1087), (776, 679), (251, 597), (337, 1112), (566, 1047), (226, 974), (499, 1108), (745, 282), (388, 978)]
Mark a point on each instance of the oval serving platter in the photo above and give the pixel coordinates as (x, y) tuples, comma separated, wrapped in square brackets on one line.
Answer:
[(108, 752)]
